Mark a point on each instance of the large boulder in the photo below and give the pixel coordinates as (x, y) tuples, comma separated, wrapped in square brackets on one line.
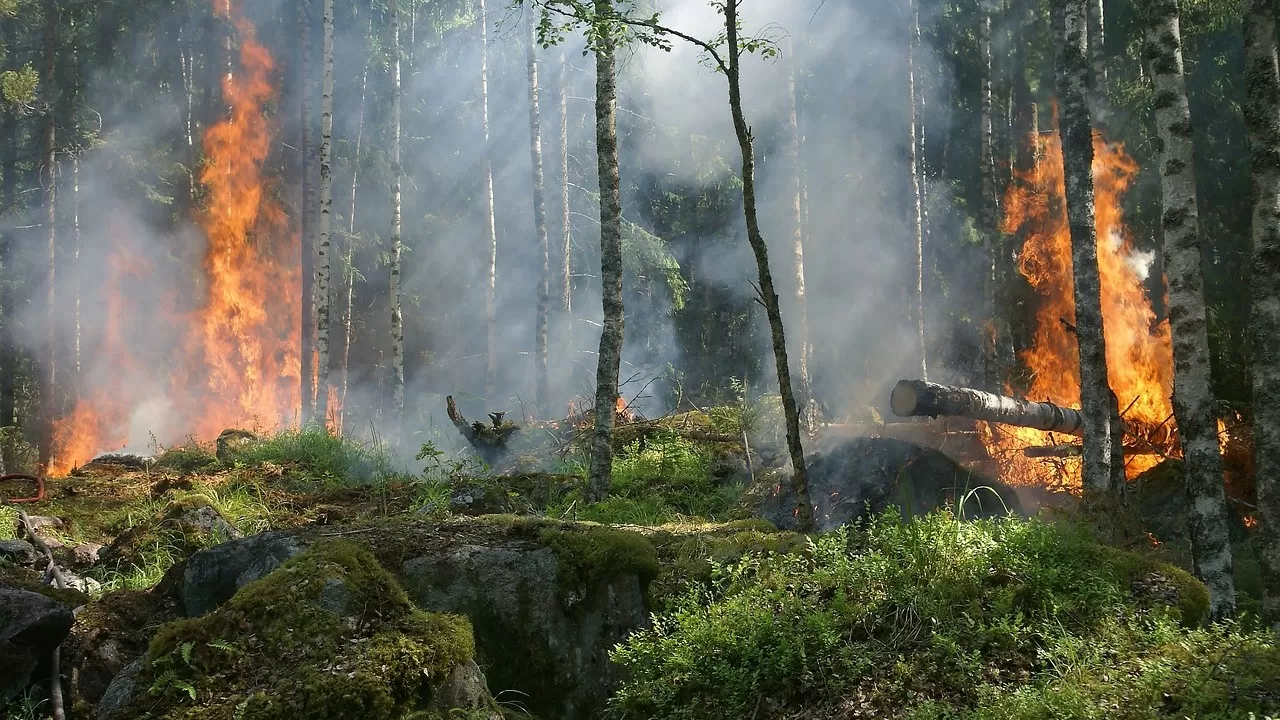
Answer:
[(547, 600), (855, 477), (329, 633), (32, 625)]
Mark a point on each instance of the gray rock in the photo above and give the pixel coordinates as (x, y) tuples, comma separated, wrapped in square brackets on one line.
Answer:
[(85, 554), (120, 689), (465, 689), (213, 575), (43, 521), (31, 626), (19, 552), (857, 476), (537, 637)]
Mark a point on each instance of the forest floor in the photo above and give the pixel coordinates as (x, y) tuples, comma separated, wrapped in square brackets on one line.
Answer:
[(932, 617)]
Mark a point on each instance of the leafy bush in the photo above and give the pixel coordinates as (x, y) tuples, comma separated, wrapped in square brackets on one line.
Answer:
[(938, 616)]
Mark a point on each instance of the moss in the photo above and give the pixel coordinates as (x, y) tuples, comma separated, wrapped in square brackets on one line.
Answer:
[(330, 633), (590, 554), (8, 522), (30, 580), (1151, 579), (688, 559)]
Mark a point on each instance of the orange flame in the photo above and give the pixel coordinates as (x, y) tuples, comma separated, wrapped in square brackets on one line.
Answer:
[(1139, 351), (238, 361)]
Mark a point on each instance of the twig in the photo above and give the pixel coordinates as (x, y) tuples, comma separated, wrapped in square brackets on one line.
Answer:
[(55, 685), (346, 532)]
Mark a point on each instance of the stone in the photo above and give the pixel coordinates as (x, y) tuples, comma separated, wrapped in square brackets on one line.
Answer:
[(213, 575), (120, 690), (465, 689), (108, 634), (85, 554), (32, 625), (19, 552)]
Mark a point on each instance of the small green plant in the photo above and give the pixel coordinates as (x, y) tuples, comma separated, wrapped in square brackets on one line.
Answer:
[(189, 457), (311, 454), (8, 522)]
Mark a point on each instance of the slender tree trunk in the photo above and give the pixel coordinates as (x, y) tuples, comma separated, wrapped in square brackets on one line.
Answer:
[(917, 228), (1192, 395), (491, 227), (75, 259), (9, 195), (566, 223), (797, 244), (610, 357), (1102, 480), (1262, 122), (539, 223), (800, 476), (397, 318), (1098, 59), (324, 302), (48, 179), (308, 241), (349, 267), (988, 208)]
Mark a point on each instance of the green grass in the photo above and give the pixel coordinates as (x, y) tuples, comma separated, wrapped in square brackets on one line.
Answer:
[(312, 454), (945, 619), (8, 522)]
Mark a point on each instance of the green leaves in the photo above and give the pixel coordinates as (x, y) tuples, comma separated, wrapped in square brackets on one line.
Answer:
[(18, 87)]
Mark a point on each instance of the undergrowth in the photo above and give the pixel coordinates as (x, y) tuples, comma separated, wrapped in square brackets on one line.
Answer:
[(945, 619)]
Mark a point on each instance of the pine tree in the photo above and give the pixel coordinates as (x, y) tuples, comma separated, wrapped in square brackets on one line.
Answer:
[(1192, 394)]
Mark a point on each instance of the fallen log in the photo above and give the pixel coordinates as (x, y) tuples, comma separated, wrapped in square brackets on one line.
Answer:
[(918, 397)]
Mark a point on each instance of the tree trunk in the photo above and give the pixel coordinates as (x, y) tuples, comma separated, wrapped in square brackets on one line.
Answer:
[(397, 318), (1192, 394), (912, 398), (995, 334), (566, 224), (800, 475), (539, 223), (308, 242), (917, 301), (797, 244), (48, 179), (1102, 480), (491, 227), (1098, 60), (349, 267), (8, 200), (610, 356), (1262, 122), (75, 263), (324, 303)]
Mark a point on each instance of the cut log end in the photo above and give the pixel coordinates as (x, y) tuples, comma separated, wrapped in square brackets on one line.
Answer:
[(904, 398)]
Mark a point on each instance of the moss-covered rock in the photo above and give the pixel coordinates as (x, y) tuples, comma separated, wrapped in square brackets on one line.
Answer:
[(328, 634), (187, 523), (108, 634)]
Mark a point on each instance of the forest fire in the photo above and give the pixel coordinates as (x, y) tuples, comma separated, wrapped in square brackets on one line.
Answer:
[(236, 361), (1139, 351)]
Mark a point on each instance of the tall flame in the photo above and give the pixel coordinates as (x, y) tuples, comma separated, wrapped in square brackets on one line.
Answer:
[(237, 360), (1139, 351)]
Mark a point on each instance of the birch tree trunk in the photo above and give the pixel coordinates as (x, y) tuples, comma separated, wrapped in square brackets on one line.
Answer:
[(1192, 394), (491, 228), (397, 318), (800, 474), (797, 243), (349, 269), (539, 223), (1098, 58), (48, 180), (610, 356), (324, 272), (306, 355), (917, 228), (1102, 479), (1262, 123), (566, 223), (75, 263)]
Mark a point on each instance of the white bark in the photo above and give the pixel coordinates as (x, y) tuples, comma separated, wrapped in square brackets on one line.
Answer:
[(539, 225), (324, 270), (349, 266), (797, 243), (917, 303), (1192, 394), (491, 228), (397, 318)]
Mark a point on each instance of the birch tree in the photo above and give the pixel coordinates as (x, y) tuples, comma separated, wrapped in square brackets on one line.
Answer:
[(1097, 58), (323, 273), (491, 228), (306, 355), (349, 265), (1192, 395), (566, 223), (797, 244), (1262, 124), (917, 227), (1102, 478), (539, 223), (988, 209), (397, 318)]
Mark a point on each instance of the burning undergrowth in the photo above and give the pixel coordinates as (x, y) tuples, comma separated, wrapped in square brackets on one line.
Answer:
[(232, 357)]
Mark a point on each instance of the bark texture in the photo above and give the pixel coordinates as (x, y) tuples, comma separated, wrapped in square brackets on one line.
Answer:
[(397, 318), (566, 223), (1098, 59), (539, 224), (769, 297), (1101, 480), (324, 272), (307, 350), (1262, 123), (919, 398), (610, 357), (491, 228), (1192, 394), (997, 333), (917, 227)]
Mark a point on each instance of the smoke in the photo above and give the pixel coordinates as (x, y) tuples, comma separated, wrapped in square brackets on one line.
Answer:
[(849, 61)]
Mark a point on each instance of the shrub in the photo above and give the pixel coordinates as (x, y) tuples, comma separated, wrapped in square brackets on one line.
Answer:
[(931, 614), (313, 454)]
